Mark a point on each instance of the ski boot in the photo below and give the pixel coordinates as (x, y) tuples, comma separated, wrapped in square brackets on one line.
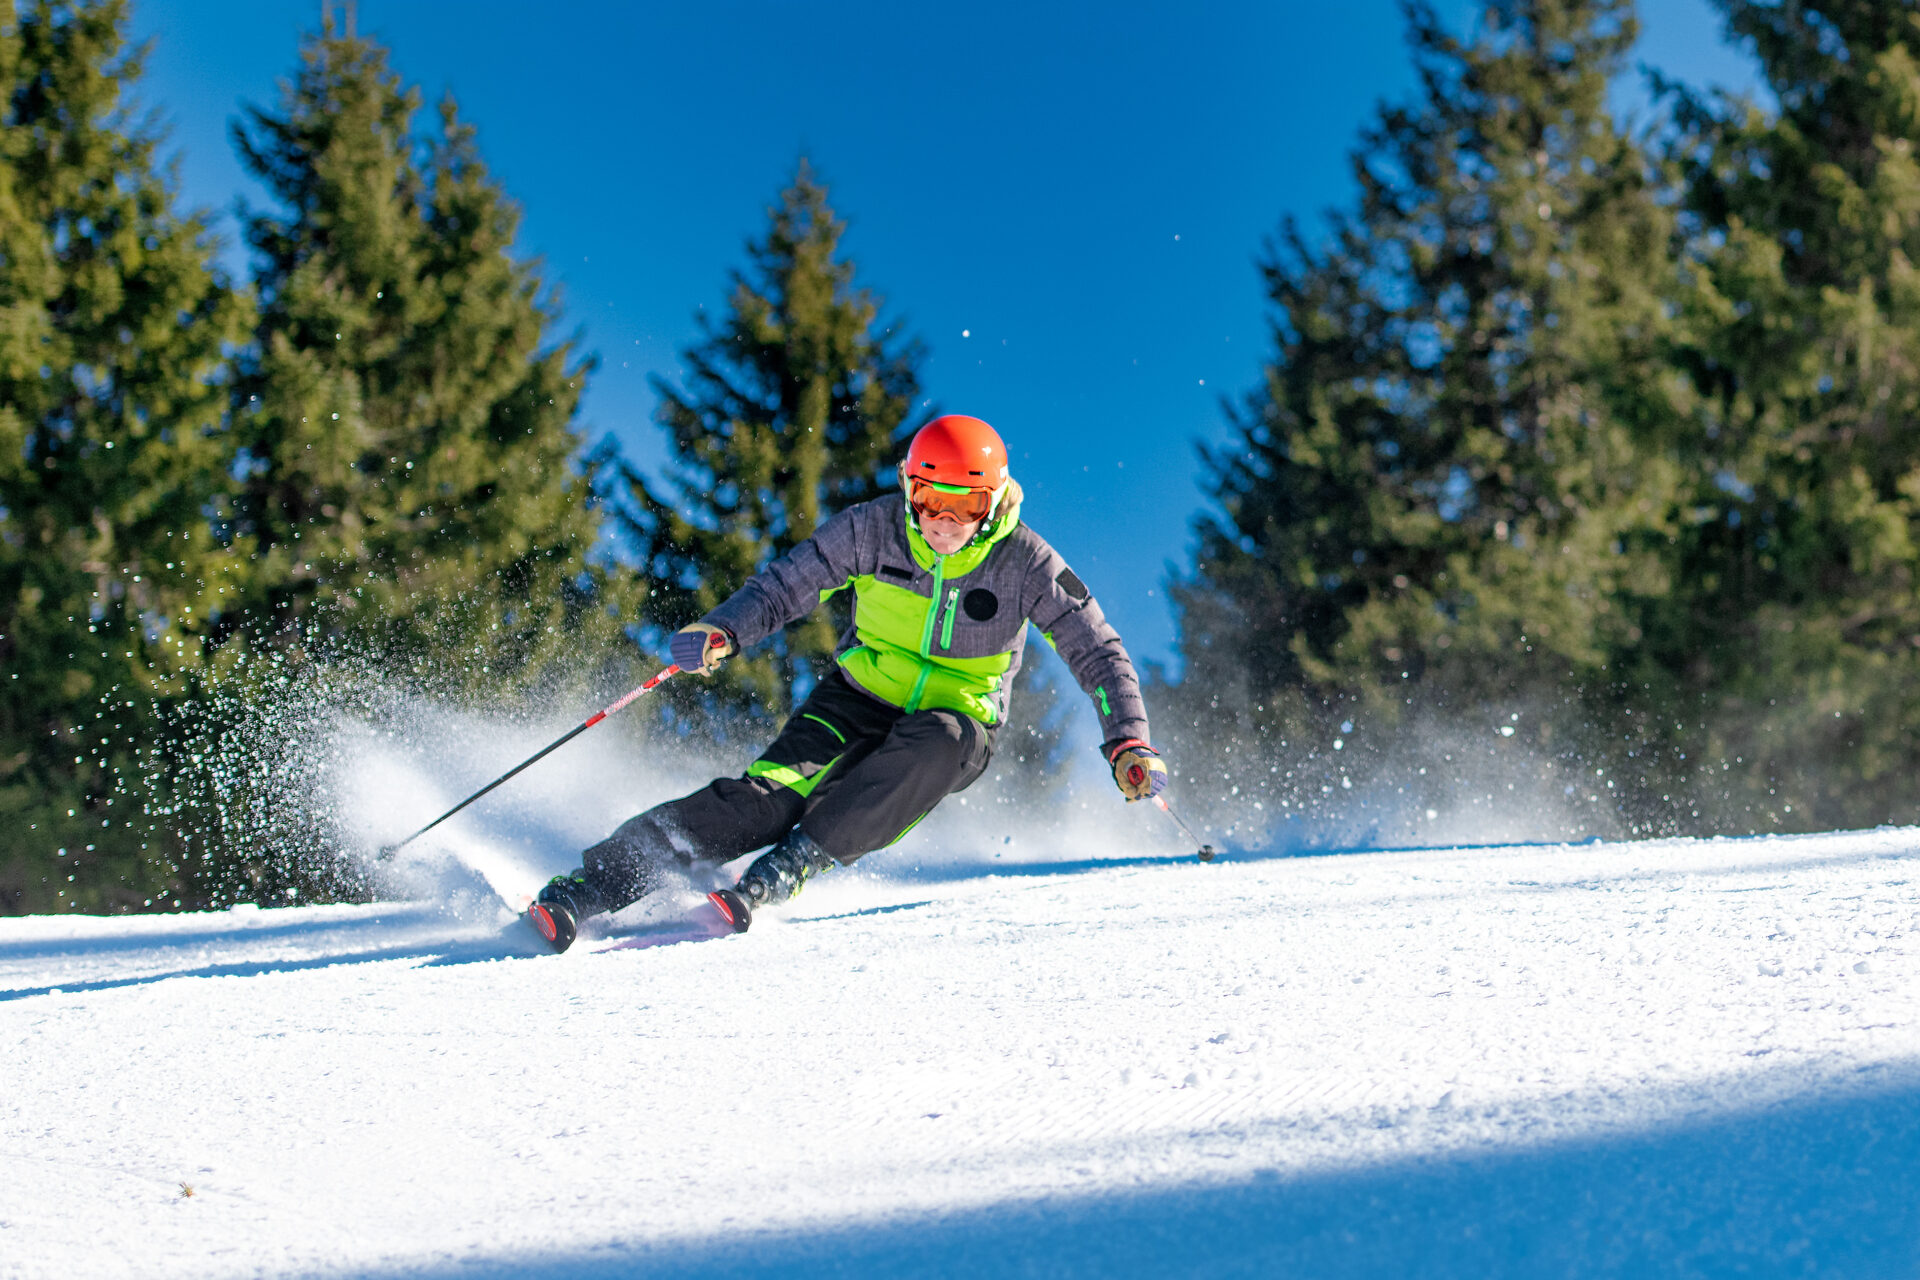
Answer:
[(562, 905), (775, 876)]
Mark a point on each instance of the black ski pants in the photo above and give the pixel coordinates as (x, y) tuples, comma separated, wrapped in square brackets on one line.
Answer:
[(855, 772)]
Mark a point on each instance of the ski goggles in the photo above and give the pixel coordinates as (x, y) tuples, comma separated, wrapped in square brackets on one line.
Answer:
[(932, 500)]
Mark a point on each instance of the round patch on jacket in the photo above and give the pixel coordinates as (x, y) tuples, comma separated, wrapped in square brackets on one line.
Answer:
[(981, 604)]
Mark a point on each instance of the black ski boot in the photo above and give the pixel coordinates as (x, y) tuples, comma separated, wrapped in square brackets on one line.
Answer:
[(775, 876), (562, 905)]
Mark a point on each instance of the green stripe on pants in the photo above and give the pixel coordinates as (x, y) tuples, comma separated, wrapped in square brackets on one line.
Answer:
[(788, 776)]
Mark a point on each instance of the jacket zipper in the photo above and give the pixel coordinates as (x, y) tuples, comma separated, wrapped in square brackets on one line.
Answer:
[(926, 633)]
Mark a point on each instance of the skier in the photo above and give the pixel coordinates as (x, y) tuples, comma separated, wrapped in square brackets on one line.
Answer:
[(945, 580)]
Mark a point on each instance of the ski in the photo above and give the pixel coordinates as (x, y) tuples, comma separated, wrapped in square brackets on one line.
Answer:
[(732, 908)]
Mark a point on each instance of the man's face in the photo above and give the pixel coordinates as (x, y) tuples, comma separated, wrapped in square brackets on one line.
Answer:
[(947, 535)]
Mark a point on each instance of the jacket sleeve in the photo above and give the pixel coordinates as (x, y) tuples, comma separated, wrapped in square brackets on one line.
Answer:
[(794, 585), (1071, 620)]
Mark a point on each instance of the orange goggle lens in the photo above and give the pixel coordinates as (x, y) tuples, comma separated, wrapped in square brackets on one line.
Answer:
[(931, 501)]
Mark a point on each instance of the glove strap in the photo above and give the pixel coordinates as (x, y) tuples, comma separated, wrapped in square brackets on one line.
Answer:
[(1127, 745)]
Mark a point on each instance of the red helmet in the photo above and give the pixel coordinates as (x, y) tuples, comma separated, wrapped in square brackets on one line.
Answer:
[(957, 467), (957, 450)]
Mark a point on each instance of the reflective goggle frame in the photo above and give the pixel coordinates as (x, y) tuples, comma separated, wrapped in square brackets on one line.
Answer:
[(931, 499)]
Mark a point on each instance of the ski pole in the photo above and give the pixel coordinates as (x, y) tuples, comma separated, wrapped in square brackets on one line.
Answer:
[(387, 851), (1205, 852)]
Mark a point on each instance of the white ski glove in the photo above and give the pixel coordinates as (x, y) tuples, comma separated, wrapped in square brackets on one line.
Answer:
[(699, 649), (1137, 769)]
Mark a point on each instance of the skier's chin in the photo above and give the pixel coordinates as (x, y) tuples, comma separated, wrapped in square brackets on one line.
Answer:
[(946, 537)]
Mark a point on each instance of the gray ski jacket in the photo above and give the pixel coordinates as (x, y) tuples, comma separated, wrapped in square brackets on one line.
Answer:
[(943, 631)]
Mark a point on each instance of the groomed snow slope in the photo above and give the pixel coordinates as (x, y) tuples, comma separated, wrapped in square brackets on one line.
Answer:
[(1664, 1058)]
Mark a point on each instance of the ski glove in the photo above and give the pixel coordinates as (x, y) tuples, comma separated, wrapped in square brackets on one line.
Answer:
[(1137, 769), (698, 649)]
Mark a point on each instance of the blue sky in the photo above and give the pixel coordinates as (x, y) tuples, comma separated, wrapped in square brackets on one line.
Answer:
[(1065, 201)]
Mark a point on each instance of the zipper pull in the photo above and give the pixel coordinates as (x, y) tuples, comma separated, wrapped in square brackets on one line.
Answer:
[(946, 628)]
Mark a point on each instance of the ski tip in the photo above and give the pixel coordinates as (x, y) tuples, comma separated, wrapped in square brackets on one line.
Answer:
[(1206, 853), (732, 908), (554, 923)]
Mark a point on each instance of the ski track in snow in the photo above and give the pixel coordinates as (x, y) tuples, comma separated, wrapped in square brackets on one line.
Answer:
[(1659, 1058)]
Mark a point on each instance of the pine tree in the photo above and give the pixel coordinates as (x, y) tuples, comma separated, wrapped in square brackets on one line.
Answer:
[(796, 406), (1455, 485), (113, 446), (1796, 646), (412, 482)]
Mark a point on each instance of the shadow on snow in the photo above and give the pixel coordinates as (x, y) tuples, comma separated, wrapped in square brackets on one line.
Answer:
[(1809, 1187), (507, 944)]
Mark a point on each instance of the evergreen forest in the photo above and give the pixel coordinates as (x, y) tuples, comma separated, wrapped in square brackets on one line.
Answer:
[(1603, 441)]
